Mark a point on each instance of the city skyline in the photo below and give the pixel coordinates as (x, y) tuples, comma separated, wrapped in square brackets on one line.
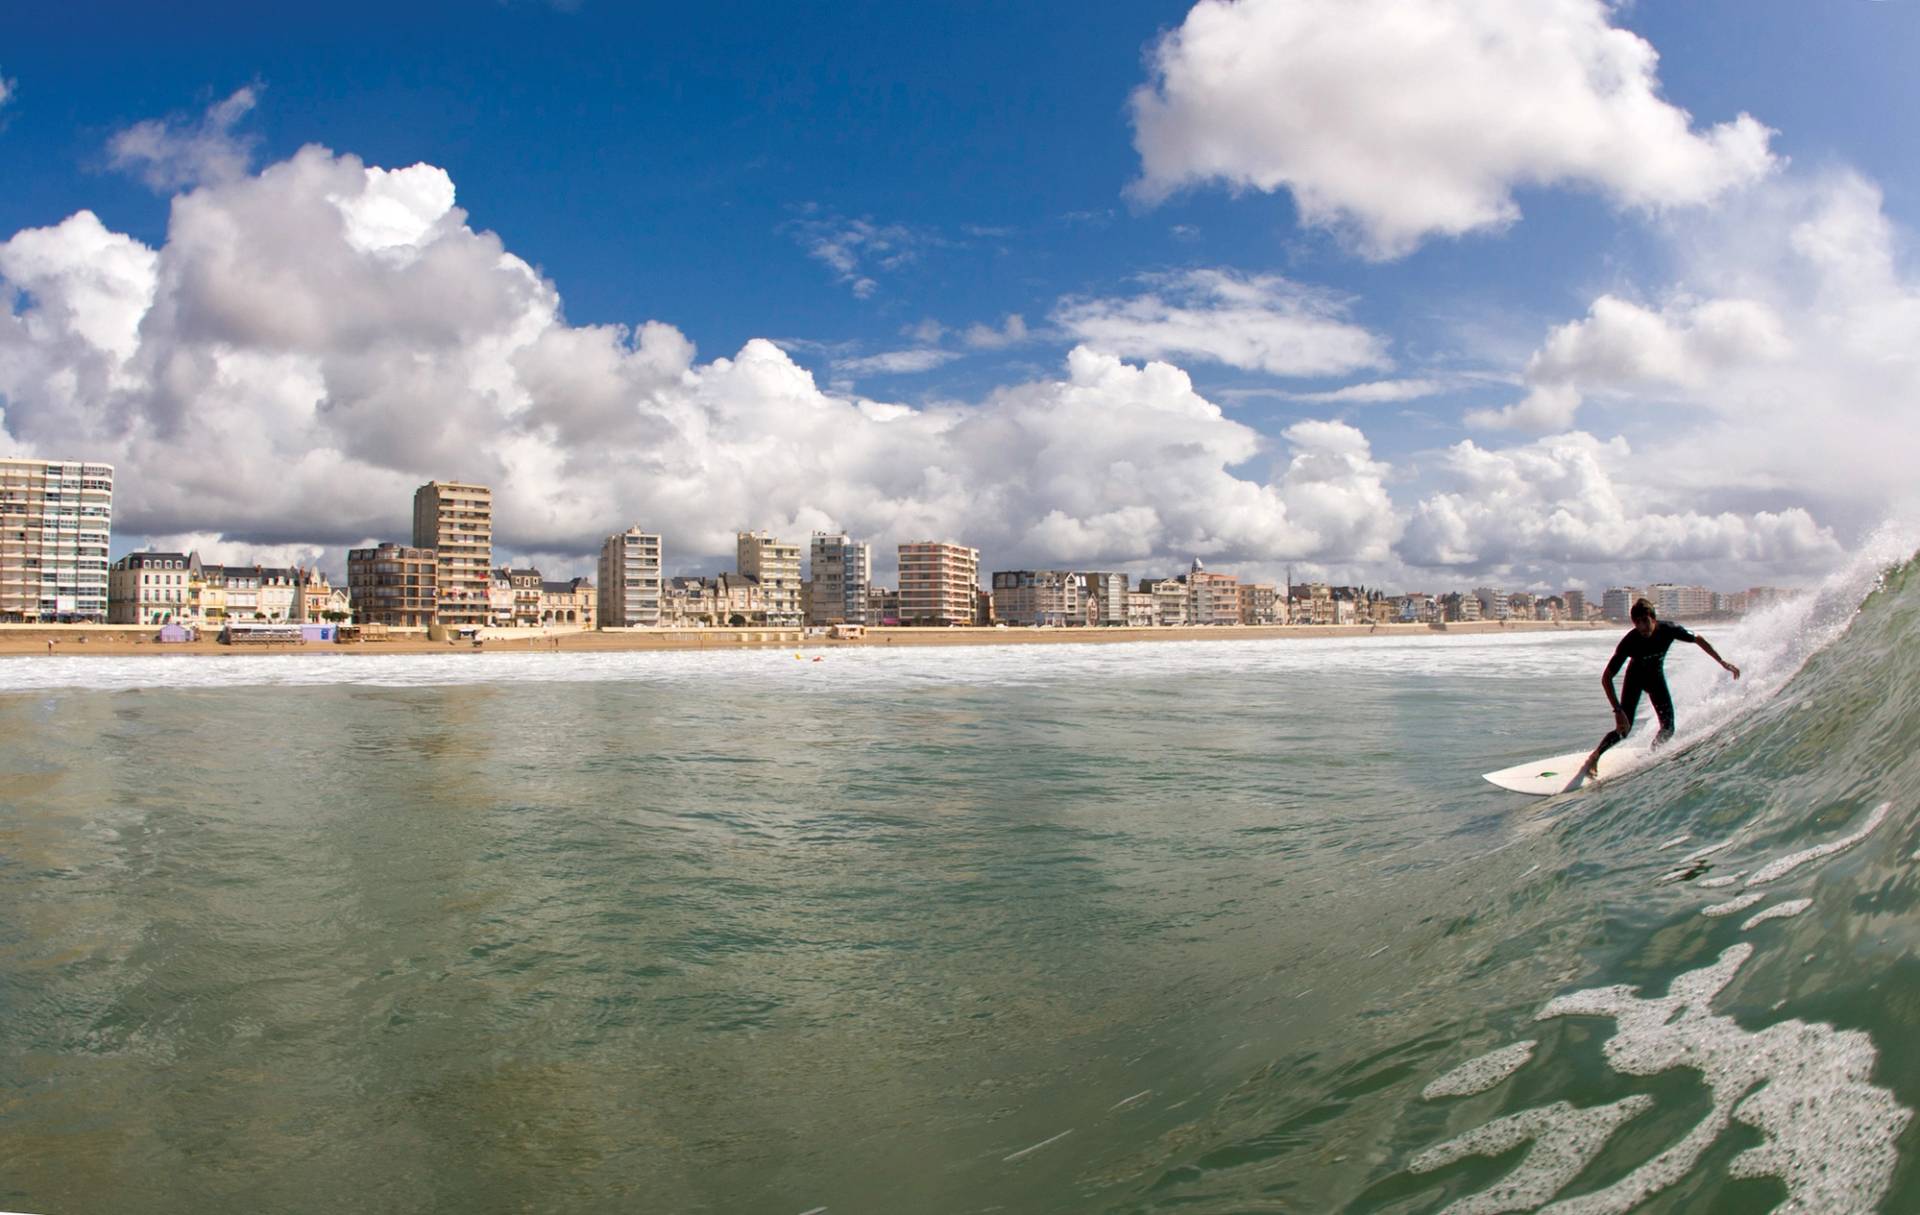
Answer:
[(1093, 312)]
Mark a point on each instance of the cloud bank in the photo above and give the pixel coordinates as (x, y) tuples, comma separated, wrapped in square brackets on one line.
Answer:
[(1391, 121), (313, 341)]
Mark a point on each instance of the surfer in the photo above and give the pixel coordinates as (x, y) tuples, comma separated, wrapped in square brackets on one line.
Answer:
[(1644, 652)]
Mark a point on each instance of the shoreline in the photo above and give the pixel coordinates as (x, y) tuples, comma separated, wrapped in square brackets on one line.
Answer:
[(120, 641)]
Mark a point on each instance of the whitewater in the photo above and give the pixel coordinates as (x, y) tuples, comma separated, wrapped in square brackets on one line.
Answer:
[(1223, 926)]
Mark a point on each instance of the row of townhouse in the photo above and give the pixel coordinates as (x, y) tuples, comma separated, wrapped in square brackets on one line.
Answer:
[(154, 588)]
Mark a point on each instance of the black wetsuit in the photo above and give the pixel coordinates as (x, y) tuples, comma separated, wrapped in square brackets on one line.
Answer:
[(1645, 657)]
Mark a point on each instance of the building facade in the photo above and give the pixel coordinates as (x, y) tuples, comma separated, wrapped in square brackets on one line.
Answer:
[(568, 604), (56, 523), (526, 587), (841, 571), (1106, 598), (454, 519), (939, 584), (1212, 598), (630, 580), (393, 585), (150, 588), (776, 567), (1260, 603), (1037, 598)]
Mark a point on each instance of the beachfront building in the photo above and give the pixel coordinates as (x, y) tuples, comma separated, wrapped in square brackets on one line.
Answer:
[(1140, 613), (454, 519), (1617, 604), (149, 588), (630, 580), (568, 604), (319, 601), (883, 605), (1037, 598), (279, 588), (1212, 598), (1260, 603), (499, 598), (841, 569), (206, 592), (243, 592), (1671, 602), (939, 584), (1170, 600), (1105, 598), (776, 567), (688, 603), (524, 587), (1494, 604), (56, 520), (1576, 604), (1312, 603), (393, 585)]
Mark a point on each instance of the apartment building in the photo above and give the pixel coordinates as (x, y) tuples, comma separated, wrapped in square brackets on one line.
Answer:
[(1494, 603), (883, 605), (393, 585), (1105, 597), (776, 567), (1140, 612), (1617, 603), (840, 570), (454, 519), (1037, 598), (525, 587), (939, 583), (1171, 604), (150, 588), (1671, 602), (1212, 598), (279, 588), (1260, 603), (630, 583), (56, 520)]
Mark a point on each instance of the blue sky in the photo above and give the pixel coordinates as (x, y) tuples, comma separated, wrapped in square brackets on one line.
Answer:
[(862, 185)]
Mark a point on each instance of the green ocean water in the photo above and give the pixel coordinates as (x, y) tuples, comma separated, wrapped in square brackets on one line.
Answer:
[(1179, 927)]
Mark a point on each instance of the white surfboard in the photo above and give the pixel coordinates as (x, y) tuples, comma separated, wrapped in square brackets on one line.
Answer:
[(1561, 773)]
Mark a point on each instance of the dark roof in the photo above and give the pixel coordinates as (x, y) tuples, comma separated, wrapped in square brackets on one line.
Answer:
[(149, 560)]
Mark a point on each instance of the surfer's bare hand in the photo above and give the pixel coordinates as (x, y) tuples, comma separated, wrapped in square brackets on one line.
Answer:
[(1733, 670), (1620, 721)]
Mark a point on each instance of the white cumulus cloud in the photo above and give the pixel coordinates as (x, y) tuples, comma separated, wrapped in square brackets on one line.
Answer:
[(313, 341), (1395, 120), (1255, 322), (1571, 501), (1621, 345), (174, 152)]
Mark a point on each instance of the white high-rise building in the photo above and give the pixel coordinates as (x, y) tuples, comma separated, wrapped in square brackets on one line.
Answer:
[(842, 570), (630, 580), (455, 519), (776, 567), (56, 522)]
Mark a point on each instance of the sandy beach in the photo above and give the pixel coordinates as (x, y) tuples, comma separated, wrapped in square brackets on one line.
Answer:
[(124, 640)]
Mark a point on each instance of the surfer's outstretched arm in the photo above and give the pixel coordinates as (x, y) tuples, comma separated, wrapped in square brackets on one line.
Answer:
[(1715, 655)]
